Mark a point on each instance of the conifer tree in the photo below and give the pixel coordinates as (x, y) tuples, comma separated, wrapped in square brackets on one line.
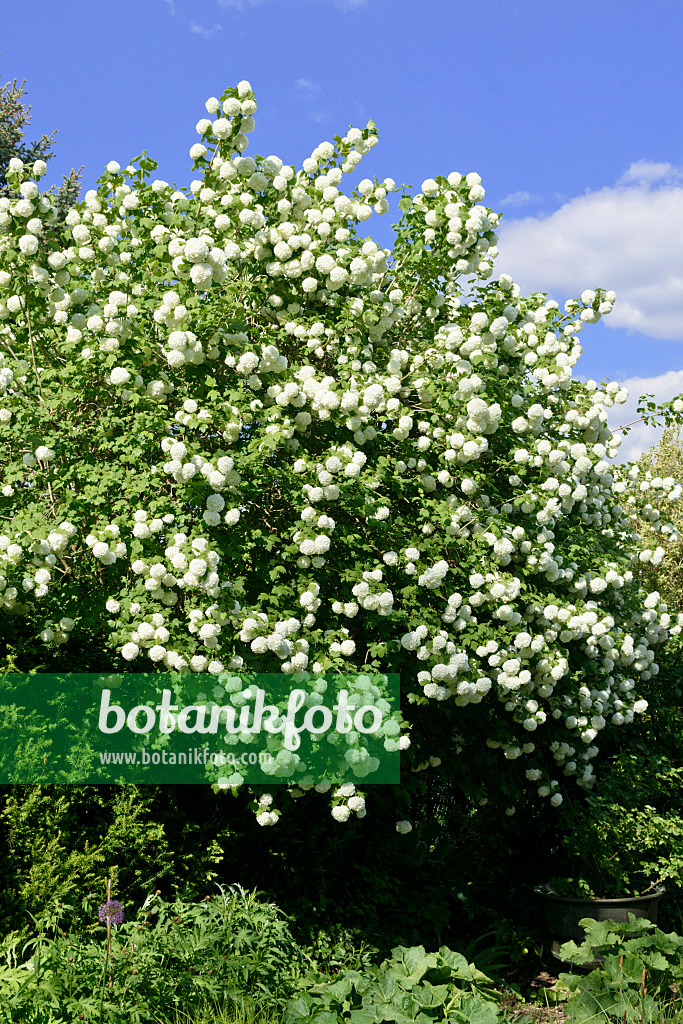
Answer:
[(15, 118)]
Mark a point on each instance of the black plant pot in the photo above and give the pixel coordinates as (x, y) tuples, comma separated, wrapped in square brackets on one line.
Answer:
[(563, 913)]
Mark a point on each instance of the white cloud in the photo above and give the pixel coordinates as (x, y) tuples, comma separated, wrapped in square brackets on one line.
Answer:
[(628, 238), (517, 199), (240, 5), (206, 32), (640, 437), (646, 171), (237, 5), (306, 87), (171, 6)]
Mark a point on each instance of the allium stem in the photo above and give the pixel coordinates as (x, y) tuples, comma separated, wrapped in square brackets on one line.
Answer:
[(109, 931), (106, 911)]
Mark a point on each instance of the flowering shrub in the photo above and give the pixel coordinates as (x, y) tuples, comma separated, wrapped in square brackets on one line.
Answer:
[(660, 465), (236, 434)]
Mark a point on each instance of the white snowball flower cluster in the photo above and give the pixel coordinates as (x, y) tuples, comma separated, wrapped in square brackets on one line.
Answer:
[(264, 816), (106, 546), (353, 802), (434, 576)]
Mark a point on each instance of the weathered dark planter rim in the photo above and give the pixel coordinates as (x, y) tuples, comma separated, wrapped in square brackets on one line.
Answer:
[(548, 893)]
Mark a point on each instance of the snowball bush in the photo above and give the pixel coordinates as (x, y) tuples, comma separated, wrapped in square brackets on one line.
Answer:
[(237, 434)]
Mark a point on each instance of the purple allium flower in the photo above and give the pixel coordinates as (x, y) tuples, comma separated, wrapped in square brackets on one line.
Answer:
[(111, 911)]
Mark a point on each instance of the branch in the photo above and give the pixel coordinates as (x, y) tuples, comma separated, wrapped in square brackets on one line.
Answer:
[(623, 427), (30, 339)]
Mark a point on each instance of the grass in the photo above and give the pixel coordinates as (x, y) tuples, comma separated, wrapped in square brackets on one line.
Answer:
[(246, 1012)]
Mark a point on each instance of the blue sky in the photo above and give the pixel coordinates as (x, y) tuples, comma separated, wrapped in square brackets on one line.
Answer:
[(570, 112)]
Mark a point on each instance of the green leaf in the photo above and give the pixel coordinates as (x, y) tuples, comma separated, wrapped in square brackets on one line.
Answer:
[(474, 1010), (412, 962), (365, 1015)]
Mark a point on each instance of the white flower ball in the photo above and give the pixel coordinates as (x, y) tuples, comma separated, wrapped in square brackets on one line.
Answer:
[(196, 250), (266, 817), (28, 244), (222, 128), (119, 375)]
